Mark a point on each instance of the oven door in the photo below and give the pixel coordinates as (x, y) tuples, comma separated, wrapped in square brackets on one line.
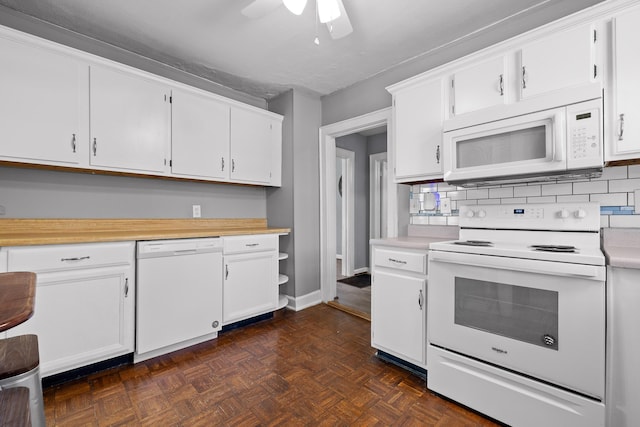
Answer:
[(539, 318), (526, 145)]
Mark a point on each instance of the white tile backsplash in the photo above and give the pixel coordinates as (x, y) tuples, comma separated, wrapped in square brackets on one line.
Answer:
[(615, 189)]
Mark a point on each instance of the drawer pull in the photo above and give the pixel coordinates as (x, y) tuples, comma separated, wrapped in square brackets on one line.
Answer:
[(75, 258), (397, 261), (250, 245)]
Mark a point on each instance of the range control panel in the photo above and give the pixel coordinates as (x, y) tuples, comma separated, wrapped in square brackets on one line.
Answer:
[(538, 216)]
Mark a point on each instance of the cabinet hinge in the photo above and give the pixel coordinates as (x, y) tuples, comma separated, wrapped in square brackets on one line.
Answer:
[(171, 163), (595, 71), (453, 83), (595, 36), (171, 100), (453, 109), (165, 162)]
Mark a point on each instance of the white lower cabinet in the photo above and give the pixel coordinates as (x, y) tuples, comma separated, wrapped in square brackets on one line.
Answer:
[(250, 285), (85, 302), (398, 303)]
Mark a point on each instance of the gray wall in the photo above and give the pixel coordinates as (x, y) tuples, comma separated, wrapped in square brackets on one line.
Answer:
[(371, 95), (32, 193), (297, 203)]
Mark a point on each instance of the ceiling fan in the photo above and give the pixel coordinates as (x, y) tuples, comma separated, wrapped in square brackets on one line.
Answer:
[(329, 12)]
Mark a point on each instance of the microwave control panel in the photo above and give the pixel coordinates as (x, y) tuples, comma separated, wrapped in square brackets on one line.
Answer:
[(584, 129)]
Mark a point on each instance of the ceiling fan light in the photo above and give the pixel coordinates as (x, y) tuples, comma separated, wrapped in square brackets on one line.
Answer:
[(295, 6), (328, 10)]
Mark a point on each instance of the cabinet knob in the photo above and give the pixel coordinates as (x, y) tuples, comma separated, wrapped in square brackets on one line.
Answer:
[(215, 324)]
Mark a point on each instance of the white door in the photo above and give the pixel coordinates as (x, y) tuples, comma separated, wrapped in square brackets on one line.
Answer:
[(250, 286), (81, 318), (481, 86), (624, 134), (251, 144), (129, 121), (398, 315), (418, 115), (559, 61), (40, 108), (199, 135)]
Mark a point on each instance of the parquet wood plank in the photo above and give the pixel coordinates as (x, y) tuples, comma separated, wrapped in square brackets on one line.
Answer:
[(313, 368)]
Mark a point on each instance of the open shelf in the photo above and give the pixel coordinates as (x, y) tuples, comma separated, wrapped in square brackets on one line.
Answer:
[(282, 279), (282, 255)]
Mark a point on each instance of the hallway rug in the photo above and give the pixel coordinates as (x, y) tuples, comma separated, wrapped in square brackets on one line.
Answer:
[(359, 280)]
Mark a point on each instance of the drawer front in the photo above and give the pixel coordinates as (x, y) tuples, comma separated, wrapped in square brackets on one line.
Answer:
[(401, 260), (41, 259), (252, 243)]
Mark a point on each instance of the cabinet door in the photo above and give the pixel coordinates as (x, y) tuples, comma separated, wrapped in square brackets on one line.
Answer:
[(559, 61), (40, 108), (480, 86), (81, 318), (624, 135), (398, 318), (418, 115), (250, 146), (199, 135), (129, 121), (250, 286)]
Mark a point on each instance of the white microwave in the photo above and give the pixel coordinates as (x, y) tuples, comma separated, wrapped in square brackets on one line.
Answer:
[(562, 142)]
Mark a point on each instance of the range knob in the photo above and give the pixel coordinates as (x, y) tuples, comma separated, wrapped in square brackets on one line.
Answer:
[(580, 213), (482, 213), (470, 213), (563, 213)]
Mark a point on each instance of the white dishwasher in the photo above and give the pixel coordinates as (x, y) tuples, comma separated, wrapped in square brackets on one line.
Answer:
[(179, 294)]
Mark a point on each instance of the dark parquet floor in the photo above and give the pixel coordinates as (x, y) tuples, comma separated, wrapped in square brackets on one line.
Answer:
[(309, 368)]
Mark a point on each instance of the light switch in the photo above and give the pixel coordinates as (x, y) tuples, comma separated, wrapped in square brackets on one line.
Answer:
[(445, 206), (197, 213)]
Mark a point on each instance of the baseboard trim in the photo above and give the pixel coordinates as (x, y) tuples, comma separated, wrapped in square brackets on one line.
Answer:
[(361, 270), (305, 301)]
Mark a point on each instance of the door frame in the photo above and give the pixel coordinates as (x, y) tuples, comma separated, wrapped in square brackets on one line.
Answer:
[(327, 147), (348, 211), (375, 193)]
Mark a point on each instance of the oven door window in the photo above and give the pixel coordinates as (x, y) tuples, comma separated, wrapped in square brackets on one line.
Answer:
[(524, 314)]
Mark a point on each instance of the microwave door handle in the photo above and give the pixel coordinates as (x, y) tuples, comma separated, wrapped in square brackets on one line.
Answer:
[(558, 137)]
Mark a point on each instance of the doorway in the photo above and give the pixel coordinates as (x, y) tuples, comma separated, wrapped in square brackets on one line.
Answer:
[(328, 183)]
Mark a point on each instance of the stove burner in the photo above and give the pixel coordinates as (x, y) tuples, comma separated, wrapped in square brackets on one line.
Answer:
[(473, 243), (555, 248)]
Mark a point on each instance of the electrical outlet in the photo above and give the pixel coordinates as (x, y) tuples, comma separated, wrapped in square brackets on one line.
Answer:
[(197, 213), (445, 206)]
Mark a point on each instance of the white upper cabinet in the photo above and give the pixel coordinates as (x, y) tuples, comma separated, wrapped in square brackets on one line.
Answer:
[(623, 121), (129, 119), (418, 112), (480, 86), (199, 135), (252, 140), (558, 61), (40, 112)]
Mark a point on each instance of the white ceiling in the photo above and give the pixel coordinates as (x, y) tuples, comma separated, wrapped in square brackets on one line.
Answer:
[(268, 55)]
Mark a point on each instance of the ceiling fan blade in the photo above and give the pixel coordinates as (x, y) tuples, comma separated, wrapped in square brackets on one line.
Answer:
[(341, 26), (259, 8)]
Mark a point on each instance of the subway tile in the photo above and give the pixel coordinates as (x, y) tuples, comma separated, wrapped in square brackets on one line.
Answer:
[(466, 202), (527, 191), (634, 171), (611, 199), (615, 172), (457, 195), (631, 200), (604, 221), (555, 189), (414, 189), (437, 220), (478, 193), (453, 220), (488, 202), (501, 192), (631, 221), (543, 199), (429, 188), (590, 187), (573, 198), (420, 220), (624, 185), (513, 201)]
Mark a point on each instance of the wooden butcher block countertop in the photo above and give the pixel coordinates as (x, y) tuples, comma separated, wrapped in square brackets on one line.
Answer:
[(22, 232)]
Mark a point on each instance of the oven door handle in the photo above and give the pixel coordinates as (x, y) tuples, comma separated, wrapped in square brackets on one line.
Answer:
[(552, 268)]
